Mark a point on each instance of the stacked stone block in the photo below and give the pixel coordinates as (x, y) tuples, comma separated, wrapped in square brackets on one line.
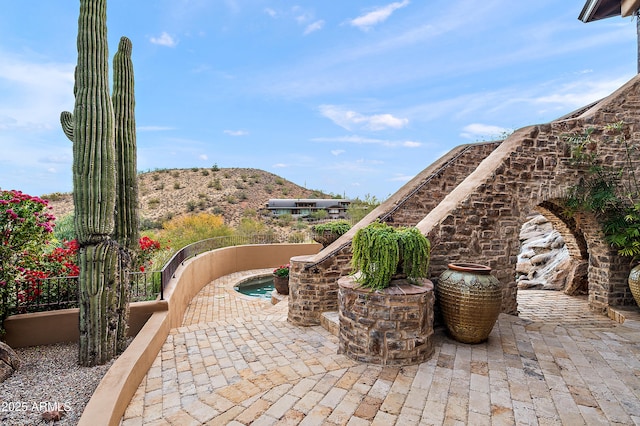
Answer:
[(393, 326)]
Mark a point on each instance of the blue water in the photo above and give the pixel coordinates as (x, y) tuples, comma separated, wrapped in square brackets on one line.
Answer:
[(256, 287)]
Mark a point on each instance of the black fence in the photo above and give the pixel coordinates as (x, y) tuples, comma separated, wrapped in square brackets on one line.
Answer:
[(169, 269), (49, 294)]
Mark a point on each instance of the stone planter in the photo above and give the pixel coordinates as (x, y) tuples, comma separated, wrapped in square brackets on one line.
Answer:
[(634, 283), (325, 238), (470, 300), (393, 326), (281, 284)]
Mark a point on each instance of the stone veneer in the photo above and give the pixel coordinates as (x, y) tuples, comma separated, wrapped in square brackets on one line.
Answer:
[(472, 202), (393, 326)]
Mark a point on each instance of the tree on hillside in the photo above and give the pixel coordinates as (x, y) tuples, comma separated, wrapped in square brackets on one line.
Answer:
[(359, 208)]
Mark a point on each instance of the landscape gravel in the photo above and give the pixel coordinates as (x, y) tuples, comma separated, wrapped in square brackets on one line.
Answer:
[(49, 378)]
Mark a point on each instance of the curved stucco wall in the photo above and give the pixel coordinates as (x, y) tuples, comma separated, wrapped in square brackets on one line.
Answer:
[(113, 394)]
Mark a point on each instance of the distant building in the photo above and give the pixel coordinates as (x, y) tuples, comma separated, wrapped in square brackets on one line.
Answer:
[(303, 207)]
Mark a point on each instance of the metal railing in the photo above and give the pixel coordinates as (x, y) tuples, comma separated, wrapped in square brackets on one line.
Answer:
[(169, 269), (54, 293), (48, 294)]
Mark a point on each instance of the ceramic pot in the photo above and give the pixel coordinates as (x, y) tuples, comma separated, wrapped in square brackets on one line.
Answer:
[(281, 284), (470, 300), (634, 283)]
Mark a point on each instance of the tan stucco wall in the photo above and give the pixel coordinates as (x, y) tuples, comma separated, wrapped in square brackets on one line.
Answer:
[(46, 328), (111, 398)]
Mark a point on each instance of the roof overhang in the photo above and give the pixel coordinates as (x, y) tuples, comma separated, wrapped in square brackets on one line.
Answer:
[(595, 10)]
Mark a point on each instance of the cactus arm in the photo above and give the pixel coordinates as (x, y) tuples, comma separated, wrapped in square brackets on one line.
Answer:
[(66, 120), (123, 99), (126, 217)]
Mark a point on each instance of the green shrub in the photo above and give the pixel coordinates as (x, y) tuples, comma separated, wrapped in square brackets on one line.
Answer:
[(184, 230), (55, 196), (64, 229), (296, 237), (338, 227), (285, 219)]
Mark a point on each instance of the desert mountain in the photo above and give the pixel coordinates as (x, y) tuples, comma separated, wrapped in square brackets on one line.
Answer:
[(229, 192)]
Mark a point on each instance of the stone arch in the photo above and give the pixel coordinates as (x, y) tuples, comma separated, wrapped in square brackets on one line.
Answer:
[(472, 203), (575, 242)]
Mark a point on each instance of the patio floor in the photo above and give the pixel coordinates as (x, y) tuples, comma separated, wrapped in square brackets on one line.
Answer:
[(237, 361)]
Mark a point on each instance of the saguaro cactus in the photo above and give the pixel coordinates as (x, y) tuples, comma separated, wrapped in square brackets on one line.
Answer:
[(126, 226), (104, 247), (126, 231)]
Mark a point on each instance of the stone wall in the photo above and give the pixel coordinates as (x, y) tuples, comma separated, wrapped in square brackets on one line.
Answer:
[(473, 203), (532, 167), (434, 187), (313, 279)]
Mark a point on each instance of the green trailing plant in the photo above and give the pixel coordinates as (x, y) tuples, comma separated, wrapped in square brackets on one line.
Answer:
[(326, 233), (611, 194), (102, 130), (381, 251)]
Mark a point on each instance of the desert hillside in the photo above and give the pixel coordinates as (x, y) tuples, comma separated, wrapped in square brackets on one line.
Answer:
[(228, 192)]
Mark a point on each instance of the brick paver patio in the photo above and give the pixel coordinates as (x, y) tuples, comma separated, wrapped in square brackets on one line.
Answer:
[(237, 361)]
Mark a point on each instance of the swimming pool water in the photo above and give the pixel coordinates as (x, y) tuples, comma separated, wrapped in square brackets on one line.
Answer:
[(256, 287)]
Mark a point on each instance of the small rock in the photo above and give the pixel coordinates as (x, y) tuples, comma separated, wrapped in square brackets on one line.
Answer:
[(9, 361), (54, 415)]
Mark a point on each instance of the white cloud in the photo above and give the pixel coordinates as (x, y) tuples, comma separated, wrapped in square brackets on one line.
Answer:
[(34, 93), (411, 144), (270, 12), (317, 25), (350, 119), (376, 16), (477, 130), (164, 40), (357, 166), (279, 166), (382, 121), (236, 132), (337, 152), (352, 139), (581, 93), (362, 141), (401, 178), (204, 157), (57, 159)]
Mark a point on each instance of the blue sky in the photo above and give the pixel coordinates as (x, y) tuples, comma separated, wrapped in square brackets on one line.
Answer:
[(349, 97)]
